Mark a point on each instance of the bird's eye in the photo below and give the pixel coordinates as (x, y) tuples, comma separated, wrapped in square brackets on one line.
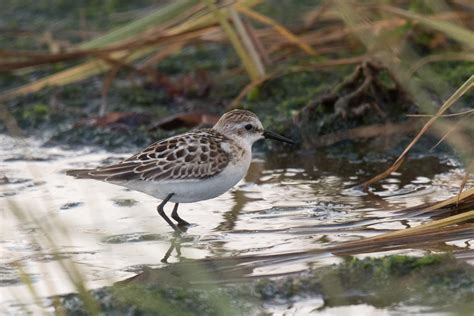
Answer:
[(248, 127)]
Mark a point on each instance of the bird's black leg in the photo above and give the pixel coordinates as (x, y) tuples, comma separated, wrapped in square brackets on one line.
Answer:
[(161, 211), (174, 214)]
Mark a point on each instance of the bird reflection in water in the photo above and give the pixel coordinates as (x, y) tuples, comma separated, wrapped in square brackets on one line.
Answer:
[(175, 244)]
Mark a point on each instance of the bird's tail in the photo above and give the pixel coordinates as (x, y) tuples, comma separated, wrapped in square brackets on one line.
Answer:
[(119, 172), (80, 173)]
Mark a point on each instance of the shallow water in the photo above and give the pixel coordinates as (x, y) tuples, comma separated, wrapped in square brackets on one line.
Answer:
[(285, 204)]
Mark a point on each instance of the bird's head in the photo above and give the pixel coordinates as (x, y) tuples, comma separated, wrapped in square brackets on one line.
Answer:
[(247, 126)]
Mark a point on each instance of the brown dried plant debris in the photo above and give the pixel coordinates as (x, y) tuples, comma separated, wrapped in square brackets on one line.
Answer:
[(369, 96)]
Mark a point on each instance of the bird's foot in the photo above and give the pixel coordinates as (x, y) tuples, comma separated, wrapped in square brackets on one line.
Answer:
[(181, 228), (182, 222)]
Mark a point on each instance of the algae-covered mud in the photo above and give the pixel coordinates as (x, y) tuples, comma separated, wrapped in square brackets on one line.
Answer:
[(400, 284)]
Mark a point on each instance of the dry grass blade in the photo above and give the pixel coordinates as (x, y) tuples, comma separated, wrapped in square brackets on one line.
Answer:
[(247, 41), (107, 82), (28, 281), (464, 56), (386, 173), (257, 42), (128, 49), (451, 220), (459, 93), (156, 18), (313, 16), (72, 271), (444, 115), (95, 67), (159, 56), (279, 28), (469, 170), (128, 32), (165, 37), (194, 23), (246, 90), (231, 34), (454, 201), (29, 59), (418, 239), (205, 20), (458, 203), (70, 75), (450, 228), (462, 35), (449, 129)]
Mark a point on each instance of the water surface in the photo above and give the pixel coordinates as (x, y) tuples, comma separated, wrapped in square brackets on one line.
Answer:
[(286, 203)]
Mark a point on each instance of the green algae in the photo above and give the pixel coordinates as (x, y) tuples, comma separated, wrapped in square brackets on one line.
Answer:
[(125, 202), (432, 280), (439, 281)]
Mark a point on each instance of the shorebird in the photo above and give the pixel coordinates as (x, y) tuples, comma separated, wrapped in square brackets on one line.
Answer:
[(190, 167)]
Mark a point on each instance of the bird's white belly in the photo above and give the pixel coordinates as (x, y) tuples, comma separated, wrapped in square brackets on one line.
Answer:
[(193, 190)]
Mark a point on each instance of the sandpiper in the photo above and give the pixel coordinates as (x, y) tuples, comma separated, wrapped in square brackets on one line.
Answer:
[(190, 167)]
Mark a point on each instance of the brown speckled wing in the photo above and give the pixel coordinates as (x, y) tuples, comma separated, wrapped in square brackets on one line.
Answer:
[(191, 156)]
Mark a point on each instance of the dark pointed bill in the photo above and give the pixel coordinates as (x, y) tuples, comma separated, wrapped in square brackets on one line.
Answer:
[(275, 136)]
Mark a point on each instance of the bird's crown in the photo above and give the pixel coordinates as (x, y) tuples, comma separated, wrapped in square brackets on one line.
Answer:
[(241, 123)]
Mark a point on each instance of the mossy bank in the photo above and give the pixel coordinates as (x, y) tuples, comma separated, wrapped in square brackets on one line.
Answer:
[(432, 281)]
